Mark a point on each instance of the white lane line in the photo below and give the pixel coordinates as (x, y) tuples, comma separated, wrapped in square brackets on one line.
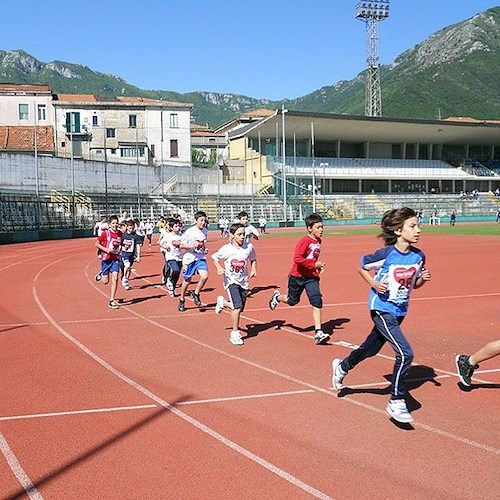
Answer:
[(251, 396), (18, 471), (184, 416), (330, 392), (76, 412)]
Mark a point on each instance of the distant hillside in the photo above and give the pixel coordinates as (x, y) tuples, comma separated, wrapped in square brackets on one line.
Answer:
[(455, 72)]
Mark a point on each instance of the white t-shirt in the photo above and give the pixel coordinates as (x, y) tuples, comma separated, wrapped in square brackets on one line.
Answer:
[(192, 235), (235, 263), (170, 245)]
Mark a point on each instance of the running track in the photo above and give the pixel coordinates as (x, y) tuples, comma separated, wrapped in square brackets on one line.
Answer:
[(146, 402)]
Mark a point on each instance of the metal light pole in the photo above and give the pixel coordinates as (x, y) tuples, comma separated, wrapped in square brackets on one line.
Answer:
[(37, 188), (371, 13), (313, 169), (283, 171), (137, 168)]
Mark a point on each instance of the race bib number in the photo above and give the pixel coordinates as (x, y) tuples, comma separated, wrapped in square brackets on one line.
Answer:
[(400, 281)]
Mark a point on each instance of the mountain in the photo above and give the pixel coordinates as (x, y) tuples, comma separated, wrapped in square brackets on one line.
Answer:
[(455, 72)]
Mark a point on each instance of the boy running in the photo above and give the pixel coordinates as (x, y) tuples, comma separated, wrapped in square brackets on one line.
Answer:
[(250, 231), (235, 272), (304, 275), (110, 243), (131, 243), (194, 259), (170, 245)]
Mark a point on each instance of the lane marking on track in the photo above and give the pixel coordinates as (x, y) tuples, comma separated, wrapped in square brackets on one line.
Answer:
[(329, 391), (18, 471), (76, 412), (250, 396), (184, 416)]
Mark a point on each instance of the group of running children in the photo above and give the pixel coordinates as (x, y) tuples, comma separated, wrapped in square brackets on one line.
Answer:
[(391, 272)]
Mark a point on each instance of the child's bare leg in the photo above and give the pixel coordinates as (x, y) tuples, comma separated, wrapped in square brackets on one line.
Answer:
[(114, 284), (184, 286), (235, 318), (488, 351), (201, 282), (317, 318), (283, 298)]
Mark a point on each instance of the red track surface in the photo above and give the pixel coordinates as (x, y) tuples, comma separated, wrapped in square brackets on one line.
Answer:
[(147, 402)]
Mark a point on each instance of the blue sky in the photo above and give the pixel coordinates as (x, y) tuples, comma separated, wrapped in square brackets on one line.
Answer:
[(262, 48)]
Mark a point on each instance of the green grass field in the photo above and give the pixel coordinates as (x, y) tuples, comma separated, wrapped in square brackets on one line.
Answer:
[(488, 229)]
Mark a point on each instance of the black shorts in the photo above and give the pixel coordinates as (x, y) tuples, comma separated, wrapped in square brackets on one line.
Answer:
[(237, 296), (311, 285)]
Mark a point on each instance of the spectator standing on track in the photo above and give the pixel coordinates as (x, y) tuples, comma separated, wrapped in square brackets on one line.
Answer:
[(235, 271), (250, 231), (131, 242), (304, 275), (467, 364), (453, 218), (170, 245), (194, 259), (262, 224), (399, 268), (497, 220), (110, 244)]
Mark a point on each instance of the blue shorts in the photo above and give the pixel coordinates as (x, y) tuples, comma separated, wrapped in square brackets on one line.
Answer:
[(297, 285), (237, 296), (191, 269), (110, 266)]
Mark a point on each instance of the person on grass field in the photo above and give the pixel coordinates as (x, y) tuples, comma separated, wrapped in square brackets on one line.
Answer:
[(392, 273), (131, 244), (110, 245), (235, 271), (467, 364), (170, 245), (304, 275), (194, 259)]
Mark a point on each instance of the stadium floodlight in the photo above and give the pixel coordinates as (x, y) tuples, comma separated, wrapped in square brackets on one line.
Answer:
[(371, 13)]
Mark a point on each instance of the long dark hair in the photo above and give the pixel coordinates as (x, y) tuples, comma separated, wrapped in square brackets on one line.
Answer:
[(392, 220)]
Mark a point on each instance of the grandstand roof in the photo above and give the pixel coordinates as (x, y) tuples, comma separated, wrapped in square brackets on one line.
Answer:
[(357, 129)]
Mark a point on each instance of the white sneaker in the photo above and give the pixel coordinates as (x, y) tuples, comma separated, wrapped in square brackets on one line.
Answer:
[(397, 409), (170, 285), (125, 283), (273, 301), (235, 338), (220, 304), (321, 337), (338, 374)]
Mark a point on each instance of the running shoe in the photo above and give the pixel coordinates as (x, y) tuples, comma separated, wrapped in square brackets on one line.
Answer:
[(196, 299), (464, 369), (321, 337), (182, 305), (397, 409), (113, 305), (170, 285), (273, 302), (219, 306), (337, 374), (98, 277), (235, 338)]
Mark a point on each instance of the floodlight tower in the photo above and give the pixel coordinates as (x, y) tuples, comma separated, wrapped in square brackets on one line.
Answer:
[(371, 13)]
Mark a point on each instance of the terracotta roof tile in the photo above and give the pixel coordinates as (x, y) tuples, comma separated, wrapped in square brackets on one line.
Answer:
[(21, 87), (77, 97), (21, 138)]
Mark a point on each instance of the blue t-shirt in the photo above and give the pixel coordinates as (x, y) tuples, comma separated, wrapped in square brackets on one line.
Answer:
[(129, 243), (400, 270)]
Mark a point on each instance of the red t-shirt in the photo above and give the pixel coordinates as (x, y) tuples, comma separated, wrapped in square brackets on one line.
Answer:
[(112, 241), (305, 257)]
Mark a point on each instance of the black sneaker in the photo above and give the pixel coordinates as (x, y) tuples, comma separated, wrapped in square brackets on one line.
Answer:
[(464, 369), (196, 299), (182, 305)]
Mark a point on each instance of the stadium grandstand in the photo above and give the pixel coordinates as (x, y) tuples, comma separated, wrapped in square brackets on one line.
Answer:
[(278, 164)]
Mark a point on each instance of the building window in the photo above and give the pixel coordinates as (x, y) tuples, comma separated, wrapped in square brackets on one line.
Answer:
[(132, 121), (131, 152), (24, 110), (174, 120), (110, 133), (73, 122), (42, 112), (95, 121), (174, 148)]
